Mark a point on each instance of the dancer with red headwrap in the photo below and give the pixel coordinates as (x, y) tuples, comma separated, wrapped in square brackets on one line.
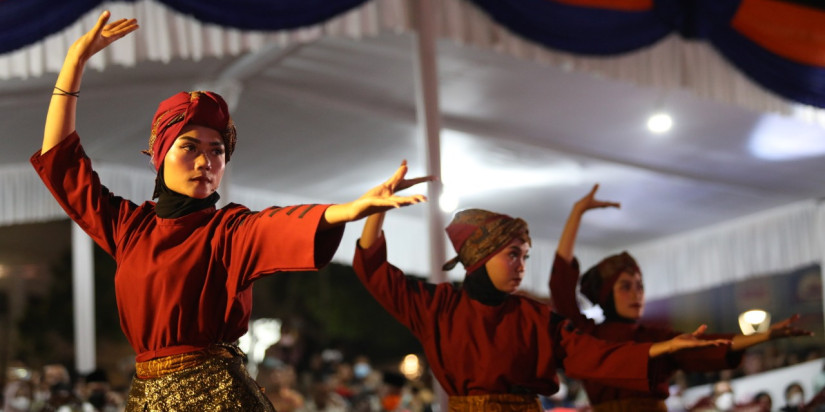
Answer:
[(184, 268), (490, 349), (615, 284)]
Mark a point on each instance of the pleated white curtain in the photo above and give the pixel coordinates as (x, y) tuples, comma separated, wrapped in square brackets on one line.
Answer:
[(760, 244)]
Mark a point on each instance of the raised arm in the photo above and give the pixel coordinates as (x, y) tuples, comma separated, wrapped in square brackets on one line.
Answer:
[(377, 200), (60, 119), (567, 240), (372, 230), (565, 272)]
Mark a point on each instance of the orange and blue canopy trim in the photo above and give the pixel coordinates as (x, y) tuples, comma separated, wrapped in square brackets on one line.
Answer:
[(780, 44)]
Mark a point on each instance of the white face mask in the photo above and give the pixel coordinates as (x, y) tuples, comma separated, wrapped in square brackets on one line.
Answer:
[(724, 402), (20, 403), (795, 399)]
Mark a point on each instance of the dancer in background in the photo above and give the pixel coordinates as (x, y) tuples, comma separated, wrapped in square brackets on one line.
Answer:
[(184, 268), (616, 285), (489, 348)]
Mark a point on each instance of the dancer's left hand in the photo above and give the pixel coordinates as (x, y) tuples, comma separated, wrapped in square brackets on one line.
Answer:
[(786, 329), (378, 199)]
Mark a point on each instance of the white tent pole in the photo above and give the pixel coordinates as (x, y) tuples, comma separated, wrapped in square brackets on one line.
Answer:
[(84, 300), (429, 123)]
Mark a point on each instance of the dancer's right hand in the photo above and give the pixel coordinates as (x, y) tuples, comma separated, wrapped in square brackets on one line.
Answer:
[(101, 36), (589, 201)]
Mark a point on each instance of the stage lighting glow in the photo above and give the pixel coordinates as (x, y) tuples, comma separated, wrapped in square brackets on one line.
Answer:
[(753, 321), (659, 123)]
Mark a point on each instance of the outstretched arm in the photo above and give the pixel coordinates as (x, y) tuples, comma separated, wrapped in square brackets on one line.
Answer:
[(685, 341), (784, 329), (377, 200), (60, 119), (567, 240)]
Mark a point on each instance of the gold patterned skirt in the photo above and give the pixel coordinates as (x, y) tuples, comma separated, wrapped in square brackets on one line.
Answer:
[(212, 382), (494, 403)]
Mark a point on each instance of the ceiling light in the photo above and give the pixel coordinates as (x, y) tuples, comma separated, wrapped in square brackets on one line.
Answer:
[(659, 122)]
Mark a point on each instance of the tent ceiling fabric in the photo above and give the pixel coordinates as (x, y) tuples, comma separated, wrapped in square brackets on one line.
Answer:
[(325, 113)]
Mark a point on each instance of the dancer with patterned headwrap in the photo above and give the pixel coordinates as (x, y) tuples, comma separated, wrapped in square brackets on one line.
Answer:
[(490, 349), (615, 284), (184, 268)]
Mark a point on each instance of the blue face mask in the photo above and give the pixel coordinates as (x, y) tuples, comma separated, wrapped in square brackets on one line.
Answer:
[(361, 370)]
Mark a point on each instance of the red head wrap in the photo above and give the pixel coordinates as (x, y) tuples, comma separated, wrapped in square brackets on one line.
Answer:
[(597, 283), (200, 108), (477, 235)]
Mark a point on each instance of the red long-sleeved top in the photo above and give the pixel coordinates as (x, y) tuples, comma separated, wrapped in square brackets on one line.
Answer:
[(475, 349), (183, 283), (563, 281)]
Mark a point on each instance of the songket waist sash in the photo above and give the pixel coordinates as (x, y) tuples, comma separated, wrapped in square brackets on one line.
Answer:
[(494, 403), (214, 379)]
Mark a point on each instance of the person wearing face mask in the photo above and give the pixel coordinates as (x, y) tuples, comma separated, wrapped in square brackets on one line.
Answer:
[(185, 268), (18, 396), (488, 347), (794, 398), (616, 285)]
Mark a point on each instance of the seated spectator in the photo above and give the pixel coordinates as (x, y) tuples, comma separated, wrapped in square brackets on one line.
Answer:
[(794, 398), (720, 400), (18, 396), (278, 381)]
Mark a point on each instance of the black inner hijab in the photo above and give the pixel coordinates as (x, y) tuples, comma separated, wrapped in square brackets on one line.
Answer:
[(172, 204), (610, 314), (479, 287)]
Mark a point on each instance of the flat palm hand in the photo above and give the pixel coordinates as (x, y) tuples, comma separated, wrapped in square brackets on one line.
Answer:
[(693, 340), (589, 201), (382, 197), (102, 35), (786, 329)]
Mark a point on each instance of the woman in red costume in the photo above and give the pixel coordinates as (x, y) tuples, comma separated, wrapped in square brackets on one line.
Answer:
[(616, 285), (184, 268), (490, 349)]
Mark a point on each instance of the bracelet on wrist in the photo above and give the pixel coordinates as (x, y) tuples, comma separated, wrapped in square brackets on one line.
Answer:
[(65, 93)]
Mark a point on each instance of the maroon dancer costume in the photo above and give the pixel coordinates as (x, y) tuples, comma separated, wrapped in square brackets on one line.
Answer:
[(563, 281), (616, 285), (488, 348), (185, 269), (184, 279)]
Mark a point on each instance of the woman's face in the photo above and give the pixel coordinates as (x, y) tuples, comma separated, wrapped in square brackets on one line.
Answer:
[(195, 164), (629, 295), (506, 268)]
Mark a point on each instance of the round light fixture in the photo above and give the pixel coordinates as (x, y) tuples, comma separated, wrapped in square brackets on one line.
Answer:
[(659, 122)]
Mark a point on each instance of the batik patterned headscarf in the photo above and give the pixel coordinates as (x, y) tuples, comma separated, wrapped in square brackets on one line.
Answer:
[(477, 235)]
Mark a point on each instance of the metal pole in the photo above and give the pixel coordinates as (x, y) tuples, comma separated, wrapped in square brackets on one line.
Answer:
[(84, 300), (429, 122)]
